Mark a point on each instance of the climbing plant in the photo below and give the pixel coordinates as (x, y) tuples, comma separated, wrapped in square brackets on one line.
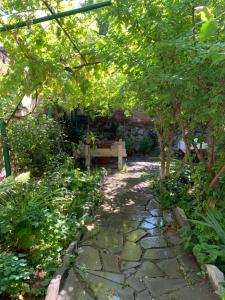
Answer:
[(61, 67)]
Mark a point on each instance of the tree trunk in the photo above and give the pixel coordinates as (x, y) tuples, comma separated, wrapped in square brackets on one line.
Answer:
[(193, 24), (183, 131), (198, 153), (187, 145), (211, 147), (215, 180), (170, 151), (162, 153)]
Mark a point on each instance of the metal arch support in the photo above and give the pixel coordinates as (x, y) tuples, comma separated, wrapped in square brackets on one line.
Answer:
[(5, 148), (55, 16)]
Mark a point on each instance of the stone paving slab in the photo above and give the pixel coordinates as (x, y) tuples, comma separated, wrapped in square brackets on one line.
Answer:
[(160, 286), (159, 253), (118, 278), (110, 262), (129, 265), (148, 226), (136, 235), (135, 283), (170, 267), (111, 240), (189, 292), (133, 251), (88, 258), (144, 295), (103, 288), (149, 270), (153, 242)]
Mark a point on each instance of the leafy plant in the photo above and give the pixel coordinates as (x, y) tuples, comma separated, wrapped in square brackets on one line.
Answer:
[(35, 142), (175, 190), (189, 190), (14, 275), (206, 238), (146, 145), (129, 145), (212, 220), (221, 292), (39, 218), (90, 138)]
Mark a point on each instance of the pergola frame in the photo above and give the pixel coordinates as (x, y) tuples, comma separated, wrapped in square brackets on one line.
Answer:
[(55, 16)]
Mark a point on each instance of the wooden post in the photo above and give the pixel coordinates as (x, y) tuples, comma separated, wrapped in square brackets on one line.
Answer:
[(120, 155), (87, 156)]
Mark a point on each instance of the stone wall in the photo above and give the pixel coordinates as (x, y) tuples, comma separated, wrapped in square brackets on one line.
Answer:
[(137, 131), (138, 139)]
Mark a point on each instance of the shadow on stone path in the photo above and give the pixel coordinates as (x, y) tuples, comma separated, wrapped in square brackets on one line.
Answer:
[(133, 251)]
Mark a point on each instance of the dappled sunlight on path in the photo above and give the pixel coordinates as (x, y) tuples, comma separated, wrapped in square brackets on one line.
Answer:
[(132, 250)]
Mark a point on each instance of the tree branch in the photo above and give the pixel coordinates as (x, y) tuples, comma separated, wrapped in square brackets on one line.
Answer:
[(69, 69), (87, 65), (216, 178)]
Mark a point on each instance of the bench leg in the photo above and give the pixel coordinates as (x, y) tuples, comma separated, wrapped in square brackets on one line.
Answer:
[(87, 156), (120, 157)]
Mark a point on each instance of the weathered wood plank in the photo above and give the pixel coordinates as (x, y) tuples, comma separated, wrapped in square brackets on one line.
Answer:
[(107, 152), (117, 149)]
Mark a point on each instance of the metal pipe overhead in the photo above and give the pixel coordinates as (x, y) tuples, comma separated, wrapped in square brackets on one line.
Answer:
[(55, 16)]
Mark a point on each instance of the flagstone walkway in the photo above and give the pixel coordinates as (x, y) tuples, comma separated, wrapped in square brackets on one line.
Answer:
[(133, 250)]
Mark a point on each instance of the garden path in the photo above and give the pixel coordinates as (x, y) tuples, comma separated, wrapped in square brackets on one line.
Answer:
[(133, 250)]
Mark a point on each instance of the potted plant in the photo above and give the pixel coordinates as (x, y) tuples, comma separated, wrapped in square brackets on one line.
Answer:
[(90, 138)]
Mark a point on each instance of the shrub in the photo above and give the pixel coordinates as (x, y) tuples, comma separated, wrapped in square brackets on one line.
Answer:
[(34, 143), (206, 238), (129, 145), (175, 190), (147, 144)]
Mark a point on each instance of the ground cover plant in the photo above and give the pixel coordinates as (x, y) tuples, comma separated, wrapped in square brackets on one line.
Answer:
[(38, 220)]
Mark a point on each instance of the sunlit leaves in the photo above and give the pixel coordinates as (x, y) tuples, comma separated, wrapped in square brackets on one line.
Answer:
[(210, 24), (41, 56), (205, 13), (208, 29)]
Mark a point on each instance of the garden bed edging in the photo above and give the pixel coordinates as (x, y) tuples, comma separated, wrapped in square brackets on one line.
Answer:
[(61, 274)]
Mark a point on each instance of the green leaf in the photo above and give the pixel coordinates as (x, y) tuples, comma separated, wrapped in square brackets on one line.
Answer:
[(208, 29), (204, 12)]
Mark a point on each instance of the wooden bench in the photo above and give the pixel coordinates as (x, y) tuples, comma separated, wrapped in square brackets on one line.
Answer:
[(117, 149)]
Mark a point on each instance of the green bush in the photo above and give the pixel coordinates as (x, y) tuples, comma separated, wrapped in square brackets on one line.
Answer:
[(129, 145), (34, 143), (39, 218), (175, 190), (14, 275), (190, 191), (147, 144)]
